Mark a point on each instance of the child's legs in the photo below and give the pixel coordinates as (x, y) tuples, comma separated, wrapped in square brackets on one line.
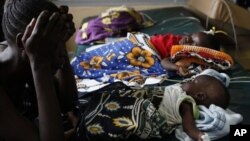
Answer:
[(113, 116)]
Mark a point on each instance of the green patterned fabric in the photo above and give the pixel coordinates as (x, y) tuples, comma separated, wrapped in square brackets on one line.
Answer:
[(122, 113)]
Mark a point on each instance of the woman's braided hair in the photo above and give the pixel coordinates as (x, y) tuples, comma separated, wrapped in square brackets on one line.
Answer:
[(18, 14), (1, 14)]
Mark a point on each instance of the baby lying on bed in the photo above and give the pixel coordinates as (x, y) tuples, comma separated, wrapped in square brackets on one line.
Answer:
[(121, 113), (193, 58)]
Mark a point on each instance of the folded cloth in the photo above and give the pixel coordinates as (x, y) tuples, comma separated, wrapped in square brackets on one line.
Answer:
[(185, 55), (214, 121), (223, 77), (182, 136)]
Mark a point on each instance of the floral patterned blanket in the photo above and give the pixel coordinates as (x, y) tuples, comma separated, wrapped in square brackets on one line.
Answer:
[(131, 60)]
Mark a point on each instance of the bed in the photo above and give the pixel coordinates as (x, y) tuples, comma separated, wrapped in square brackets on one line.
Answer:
[(180, 20)]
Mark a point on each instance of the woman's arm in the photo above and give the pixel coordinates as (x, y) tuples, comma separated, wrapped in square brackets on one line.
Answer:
[(188, 122), (66, 84), (50, 122), (64, 76), (66, 88), (40, 41)]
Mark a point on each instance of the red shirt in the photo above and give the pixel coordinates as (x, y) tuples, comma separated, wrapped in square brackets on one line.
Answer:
[(163, 43)]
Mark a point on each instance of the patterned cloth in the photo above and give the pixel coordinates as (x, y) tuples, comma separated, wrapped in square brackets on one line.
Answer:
[(132, 59), (115, 114), (115, 22), (208, 58)]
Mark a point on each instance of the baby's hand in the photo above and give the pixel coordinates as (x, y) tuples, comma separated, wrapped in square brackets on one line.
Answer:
[(183, 71), (203, 137)]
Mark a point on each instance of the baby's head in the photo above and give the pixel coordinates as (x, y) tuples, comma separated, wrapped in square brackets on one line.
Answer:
[(201, 39), (207, 90)]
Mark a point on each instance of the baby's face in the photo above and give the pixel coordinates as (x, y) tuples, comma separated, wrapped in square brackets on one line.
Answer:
[(207, 90)]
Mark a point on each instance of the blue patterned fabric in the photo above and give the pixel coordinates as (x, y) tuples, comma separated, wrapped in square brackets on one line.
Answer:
[(122, 60)]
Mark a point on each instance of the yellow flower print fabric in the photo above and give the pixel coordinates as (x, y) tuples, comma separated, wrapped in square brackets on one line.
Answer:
[(140, 57), (121, 60)]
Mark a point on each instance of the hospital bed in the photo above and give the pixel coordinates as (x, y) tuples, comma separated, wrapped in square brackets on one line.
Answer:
[(179, 20)]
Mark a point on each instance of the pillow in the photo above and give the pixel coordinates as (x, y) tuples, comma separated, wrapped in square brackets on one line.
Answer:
[(202, 56)]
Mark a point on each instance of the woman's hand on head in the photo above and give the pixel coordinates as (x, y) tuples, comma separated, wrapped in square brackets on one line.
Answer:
[(42, 36), (69, 28), (69, 24)]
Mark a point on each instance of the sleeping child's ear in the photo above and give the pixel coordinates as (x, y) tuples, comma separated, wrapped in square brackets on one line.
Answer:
[(200, 97)]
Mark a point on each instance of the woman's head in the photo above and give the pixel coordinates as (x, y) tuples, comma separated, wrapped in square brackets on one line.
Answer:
[(201, 39), (18, 14), (207, 90), (1, 14)]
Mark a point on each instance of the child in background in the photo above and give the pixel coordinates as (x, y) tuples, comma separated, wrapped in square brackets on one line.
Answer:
[(164, 43)]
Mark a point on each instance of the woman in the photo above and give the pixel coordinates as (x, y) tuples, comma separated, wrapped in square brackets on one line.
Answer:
[(36, 31)]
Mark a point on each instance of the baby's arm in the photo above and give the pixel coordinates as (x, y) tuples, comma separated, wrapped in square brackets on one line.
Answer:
[(188, 122), (168, 65)]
